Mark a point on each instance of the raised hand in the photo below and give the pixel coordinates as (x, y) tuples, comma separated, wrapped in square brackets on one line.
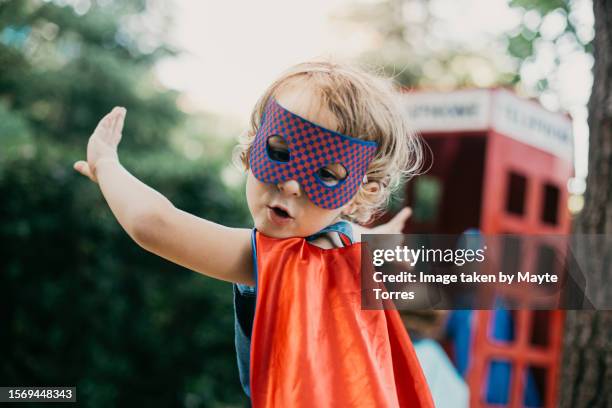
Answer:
[(102, 143), (395, 224)]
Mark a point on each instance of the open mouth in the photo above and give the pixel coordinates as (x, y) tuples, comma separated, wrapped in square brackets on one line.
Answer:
[(280, 212)]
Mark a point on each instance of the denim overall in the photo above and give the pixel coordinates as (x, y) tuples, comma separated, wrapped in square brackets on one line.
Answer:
[(245, 297)]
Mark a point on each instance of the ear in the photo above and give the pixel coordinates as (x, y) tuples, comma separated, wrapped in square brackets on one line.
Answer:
[(371, 187)]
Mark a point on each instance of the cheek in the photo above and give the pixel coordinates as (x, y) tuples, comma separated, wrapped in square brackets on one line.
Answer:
[(321, 216), (253, 191)]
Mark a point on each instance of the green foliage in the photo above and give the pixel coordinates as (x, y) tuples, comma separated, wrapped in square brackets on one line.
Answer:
[(543, 6), (80, 303), (522, 45), (412, 46)]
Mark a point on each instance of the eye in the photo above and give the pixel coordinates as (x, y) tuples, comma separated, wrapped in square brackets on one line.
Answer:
[(332, 175), (277, 149)]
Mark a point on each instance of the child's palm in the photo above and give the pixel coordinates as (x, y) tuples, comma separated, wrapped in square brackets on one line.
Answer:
[(103, 142)]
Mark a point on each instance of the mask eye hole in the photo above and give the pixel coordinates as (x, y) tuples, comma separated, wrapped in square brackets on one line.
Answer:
[(332, 174), (278, 149)]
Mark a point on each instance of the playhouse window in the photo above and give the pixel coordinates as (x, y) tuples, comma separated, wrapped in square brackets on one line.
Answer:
[(512, 253), (534, 392), (540, 328), (515, 194), (551, 204)]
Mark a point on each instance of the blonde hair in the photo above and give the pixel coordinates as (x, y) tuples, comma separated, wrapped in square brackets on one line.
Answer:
[(365, 106)]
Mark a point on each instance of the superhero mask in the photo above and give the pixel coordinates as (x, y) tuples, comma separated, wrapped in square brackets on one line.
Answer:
[(311, 148)]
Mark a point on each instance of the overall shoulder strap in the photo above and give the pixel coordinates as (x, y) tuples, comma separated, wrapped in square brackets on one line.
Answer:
[(343, 228)]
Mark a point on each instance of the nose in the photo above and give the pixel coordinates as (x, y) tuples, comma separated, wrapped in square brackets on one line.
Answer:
[(289, 187)]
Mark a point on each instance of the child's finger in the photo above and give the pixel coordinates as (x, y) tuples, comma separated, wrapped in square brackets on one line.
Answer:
[(105, 121), (83, 168), (400, 218), (117, 114), (113, 119), (118, 128), (404, 214)]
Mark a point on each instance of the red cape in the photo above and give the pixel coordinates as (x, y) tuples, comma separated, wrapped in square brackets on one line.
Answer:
[(312, 345)]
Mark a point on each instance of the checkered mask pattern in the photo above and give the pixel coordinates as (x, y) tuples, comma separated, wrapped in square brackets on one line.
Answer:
[(311, 147)]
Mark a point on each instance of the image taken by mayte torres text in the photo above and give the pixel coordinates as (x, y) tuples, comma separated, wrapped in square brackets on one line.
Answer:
[(458, 257), (459, 271)]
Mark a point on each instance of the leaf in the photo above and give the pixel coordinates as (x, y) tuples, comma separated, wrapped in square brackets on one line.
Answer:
[(520, 47)]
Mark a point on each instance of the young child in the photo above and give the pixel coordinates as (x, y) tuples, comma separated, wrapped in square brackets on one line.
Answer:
[(327, 144)]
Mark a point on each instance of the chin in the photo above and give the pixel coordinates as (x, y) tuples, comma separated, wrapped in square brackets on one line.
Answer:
[(270, 230), (275, 232)]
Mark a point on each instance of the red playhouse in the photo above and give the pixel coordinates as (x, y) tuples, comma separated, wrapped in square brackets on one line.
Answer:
[(501, 165)]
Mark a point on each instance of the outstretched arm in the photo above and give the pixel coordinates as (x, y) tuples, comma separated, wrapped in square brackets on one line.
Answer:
[(154, 223)]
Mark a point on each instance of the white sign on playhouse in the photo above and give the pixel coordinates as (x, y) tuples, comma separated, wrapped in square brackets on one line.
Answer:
[(486, 109)]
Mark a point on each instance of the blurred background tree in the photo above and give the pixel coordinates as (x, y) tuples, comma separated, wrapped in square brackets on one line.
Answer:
[(552, 35), (410, 40), (80, 304)]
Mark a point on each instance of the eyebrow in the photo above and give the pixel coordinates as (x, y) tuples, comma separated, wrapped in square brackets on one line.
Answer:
[(337, 168), (277, 140)]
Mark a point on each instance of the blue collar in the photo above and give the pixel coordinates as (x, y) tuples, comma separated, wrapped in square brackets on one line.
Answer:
[(341, 227)]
